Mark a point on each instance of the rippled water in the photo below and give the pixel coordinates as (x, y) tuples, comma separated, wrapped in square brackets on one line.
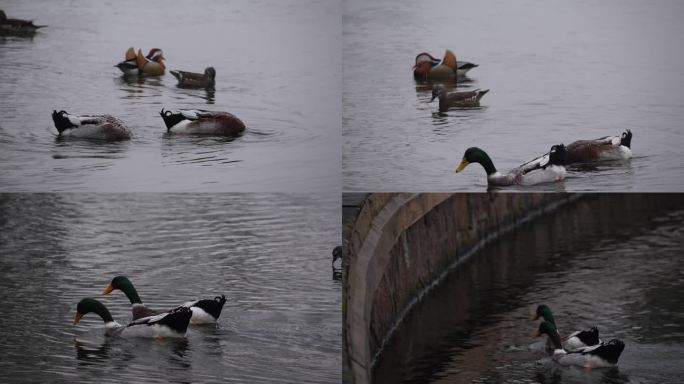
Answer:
[(278, 69), (269, 254), (558, 72), (617, 265)]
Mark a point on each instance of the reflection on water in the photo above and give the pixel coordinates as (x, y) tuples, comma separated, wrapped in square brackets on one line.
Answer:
[(567, 73), (613, 261), (268, 83), (269, 254)]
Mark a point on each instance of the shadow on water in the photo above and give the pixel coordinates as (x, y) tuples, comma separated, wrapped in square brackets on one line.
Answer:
[(586, 262)]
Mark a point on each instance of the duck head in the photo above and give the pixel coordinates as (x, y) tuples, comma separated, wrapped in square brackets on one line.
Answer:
[(424, 62), (476, 155), (438, 90), (62, 121), (210, 73), (626, 138), (89, 305), (543, 311), (170, 118), (156, 54)]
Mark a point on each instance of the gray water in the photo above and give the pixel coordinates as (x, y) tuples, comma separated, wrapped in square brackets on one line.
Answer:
[(278, 69), (616, 265), (558, 71), (269, 254)]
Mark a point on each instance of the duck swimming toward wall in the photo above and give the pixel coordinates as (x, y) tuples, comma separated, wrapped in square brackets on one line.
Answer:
[(428, 67), (205, 311), (173, 323), (456, 99), (201, 122), (17, 26), (98, 127), (596, 356), (545, 169), (196, 80)]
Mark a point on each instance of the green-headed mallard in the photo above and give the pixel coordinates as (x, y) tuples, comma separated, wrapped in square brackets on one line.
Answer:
[(428, 67), (168, 324), (596, 356), (201, 122), (205, 311), (577, 339), (545, 169), (100, 127), (456, 99)]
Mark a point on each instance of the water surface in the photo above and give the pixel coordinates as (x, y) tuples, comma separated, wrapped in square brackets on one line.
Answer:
[(269, 254), (558, 71), (278, 69)]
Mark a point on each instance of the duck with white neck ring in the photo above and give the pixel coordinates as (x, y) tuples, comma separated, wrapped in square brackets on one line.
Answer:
[(201, 122)]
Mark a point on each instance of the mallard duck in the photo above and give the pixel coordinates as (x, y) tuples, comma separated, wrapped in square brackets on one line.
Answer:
[(206, 311), (17, 26), (429, 68), (196, 80), (577, 339), (599, 355), (101, 127), (201, 122), (605, 148), (168, 324), (456, 99), (546, 169), (152, 64)]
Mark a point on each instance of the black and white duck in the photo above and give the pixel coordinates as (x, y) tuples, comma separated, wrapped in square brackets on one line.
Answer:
[(577, 339), (205, 311), (595, 356), (201, 122), (98, 127), (173, 323)]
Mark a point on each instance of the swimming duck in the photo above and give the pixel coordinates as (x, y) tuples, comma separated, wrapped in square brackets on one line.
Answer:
[(545, 169), (206, 311), (605, 148), (599, 355), (168, 324), (456, 99), (152, 64), (17, 26), (577, 339), (101, 127), (201, 122), (428, 67), (196, 80), (130, 65)]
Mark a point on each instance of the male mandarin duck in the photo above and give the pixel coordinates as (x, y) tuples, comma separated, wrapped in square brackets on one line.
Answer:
[(544, 169), (16, 26), (201, 122), (139, 65), (456, 99), (428, 67), (196, 80), (173, 323), (100, 127)]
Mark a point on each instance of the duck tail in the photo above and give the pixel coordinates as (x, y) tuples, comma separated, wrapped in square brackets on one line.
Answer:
[(481, 93), (177, 75)]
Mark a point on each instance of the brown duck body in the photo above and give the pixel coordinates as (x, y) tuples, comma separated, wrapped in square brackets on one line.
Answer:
[(196, 80), (16, 26), (456, 99), (201, 122), (605, 148)]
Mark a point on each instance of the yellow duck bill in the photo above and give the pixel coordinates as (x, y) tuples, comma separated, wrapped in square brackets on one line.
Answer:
[(464, 163)]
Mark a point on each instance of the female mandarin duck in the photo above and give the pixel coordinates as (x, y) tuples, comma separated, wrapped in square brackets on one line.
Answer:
[(428, 67), (196, 80), (544, 169), (150, 65), (100, 127), (456, 99), (201, 122)]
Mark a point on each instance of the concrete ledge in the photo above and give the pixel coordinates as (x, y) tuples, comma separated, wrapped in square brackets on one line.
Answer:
[(401, 245)]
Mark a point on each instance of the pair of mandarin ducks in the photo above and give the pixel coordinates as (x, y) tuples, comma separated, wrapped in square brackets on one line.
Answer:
[(153, 65)]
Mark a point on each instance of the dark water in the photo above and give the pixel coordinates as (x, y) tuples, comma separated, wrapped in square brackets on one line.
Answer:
[(278, 69), (269, 254), (558, 71), (618, 266)]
